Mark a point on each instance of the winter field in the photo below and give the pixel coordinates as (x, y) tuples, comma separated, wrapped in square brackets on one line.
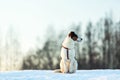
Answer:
[(50, 75)]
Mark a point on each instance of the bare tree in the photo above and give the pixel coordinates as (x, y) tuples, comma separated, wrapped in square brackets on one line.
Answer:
[(89, 41), (107, 43), (12, 58)]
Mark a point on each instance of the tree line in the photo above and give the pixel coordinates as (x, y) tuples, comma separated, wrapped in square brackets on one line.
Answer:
[(100, 48)]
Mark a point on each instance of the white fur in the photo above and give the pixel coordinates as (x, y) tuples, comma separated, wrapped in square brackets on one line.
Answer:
[(68, 65)]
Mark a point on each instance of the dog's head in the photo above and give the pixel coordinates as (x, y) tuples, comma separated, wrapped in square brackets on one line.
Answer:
[(74, 36)]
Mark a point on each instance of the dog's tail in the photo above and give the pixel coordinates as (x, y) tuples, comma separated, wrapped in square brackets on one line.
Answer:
[(57, 71)]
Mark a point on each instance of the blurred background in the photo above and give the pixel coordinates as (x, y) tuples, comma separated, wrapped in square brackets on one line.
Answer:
[(32, 31)]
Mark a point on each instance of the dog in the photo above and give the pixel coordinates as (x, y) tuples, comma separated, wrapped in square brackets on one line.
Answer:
[(68, 63)]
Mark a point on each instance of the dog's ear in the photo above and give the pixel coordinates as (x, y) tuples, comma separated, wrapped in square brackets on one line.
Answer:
[(71, 34)]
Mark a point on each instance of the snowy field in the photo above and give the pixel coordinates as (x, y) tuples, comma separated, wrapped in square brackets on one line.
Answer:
[(50, 75)]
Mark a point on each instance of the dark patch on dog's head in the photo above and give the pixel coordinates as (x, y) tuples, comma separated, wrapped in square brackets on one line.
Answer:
[(73, 35)]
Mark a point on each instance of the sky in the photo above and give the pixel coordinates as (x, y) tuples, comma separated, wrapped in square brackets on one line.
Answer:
[(31, 18)]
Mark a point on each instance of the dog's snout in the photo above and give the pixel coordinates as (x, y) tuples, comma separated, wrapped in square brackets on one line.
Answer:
[(79, 39)]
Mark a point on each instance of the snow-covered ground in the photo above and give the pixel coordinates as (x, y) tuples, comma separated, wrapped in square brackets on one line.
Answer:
[(50, 75)]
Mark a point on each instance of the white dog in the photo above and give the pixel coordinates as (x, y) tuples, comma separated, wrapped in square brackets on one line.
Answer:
[(68, 62)]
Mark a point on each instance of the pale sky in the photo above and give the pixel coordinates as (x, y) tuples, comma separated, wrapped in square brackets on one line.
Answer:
[(32, 17)]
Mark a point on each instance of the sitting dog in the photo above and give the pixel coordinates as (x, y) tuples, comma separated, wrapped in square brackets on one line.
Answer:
[(68, 62)]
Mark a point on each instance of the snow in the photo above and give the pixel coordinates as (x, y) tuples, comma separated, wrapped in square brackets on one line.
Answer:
[(50, 75)]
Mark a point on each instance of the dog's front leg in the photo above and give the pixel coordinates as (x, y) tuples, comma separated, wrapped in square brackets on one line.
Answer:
[(73, 66)]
